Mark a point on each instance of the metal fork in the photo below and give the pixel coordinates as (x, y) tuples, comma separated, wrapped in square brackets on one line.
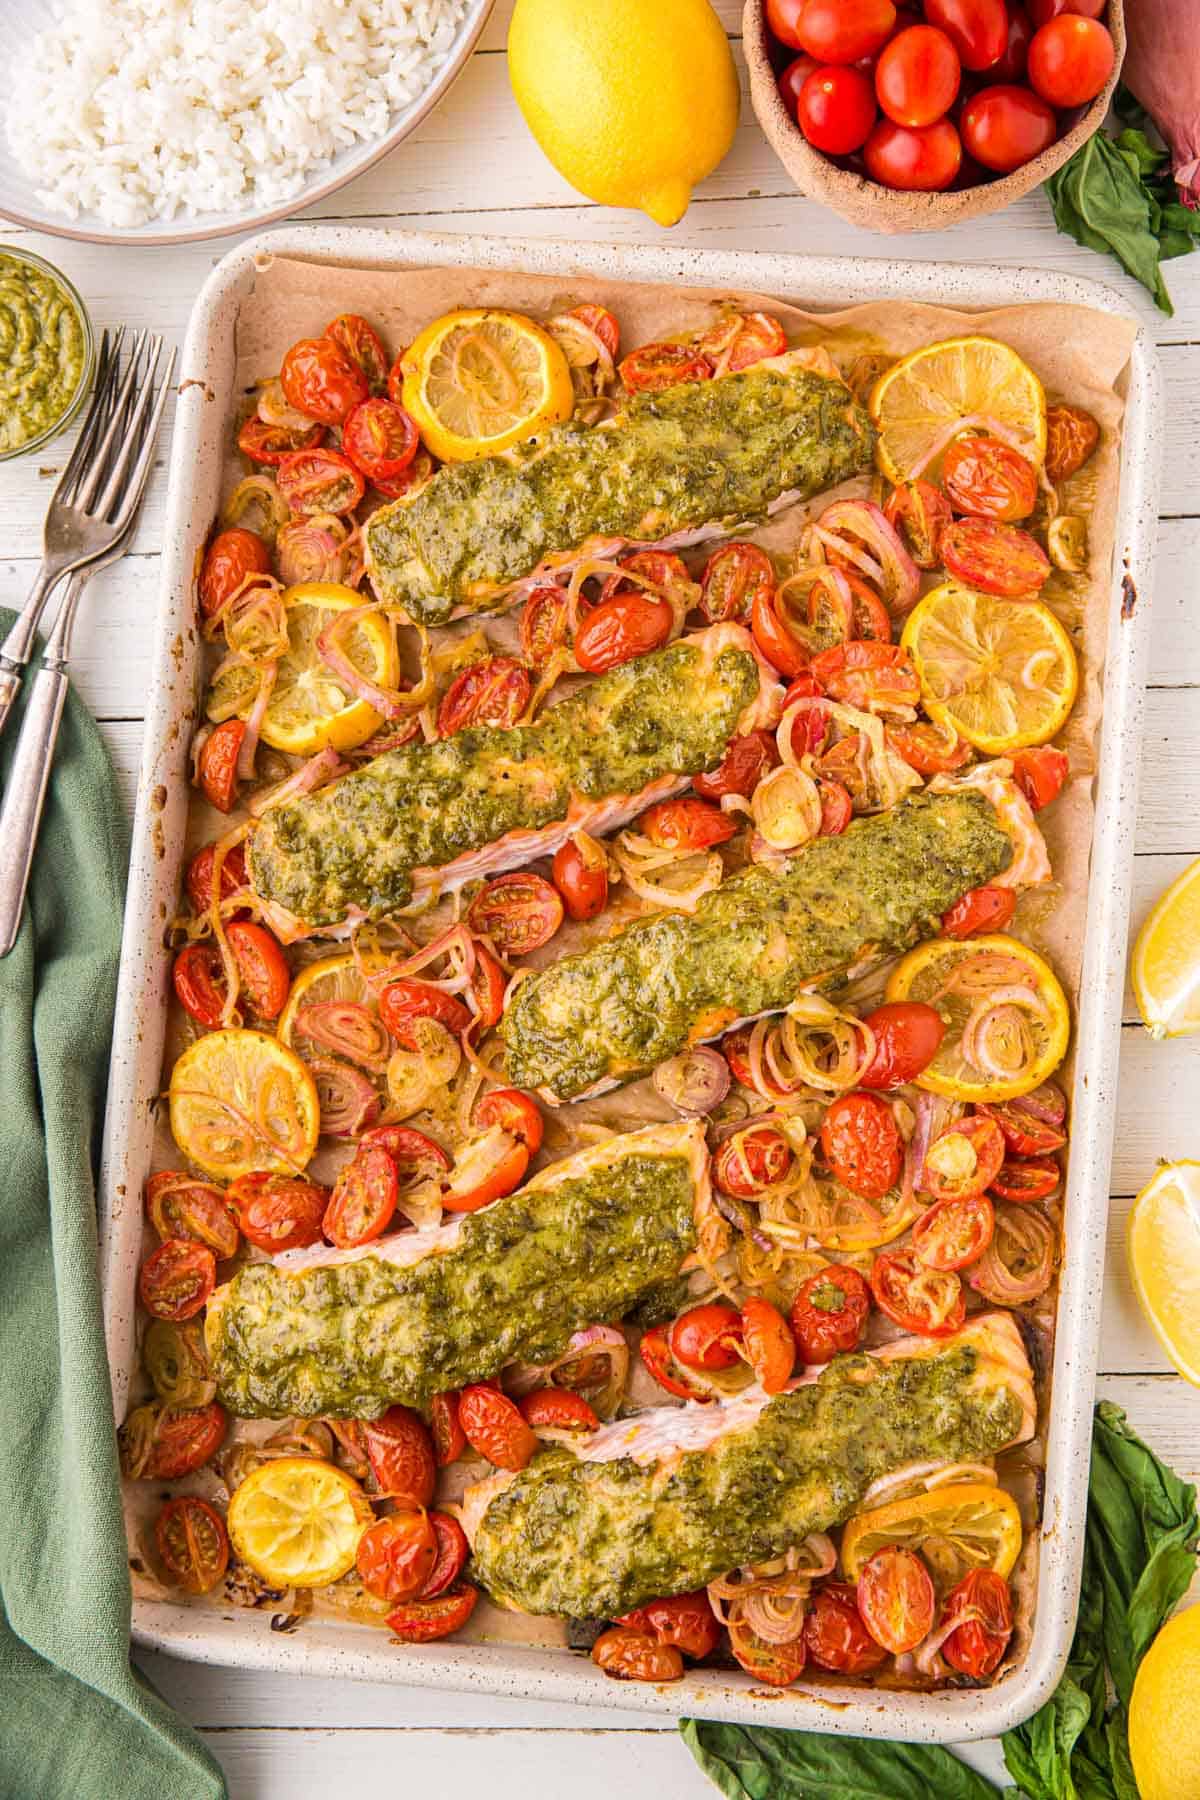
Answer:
[(139, 412)]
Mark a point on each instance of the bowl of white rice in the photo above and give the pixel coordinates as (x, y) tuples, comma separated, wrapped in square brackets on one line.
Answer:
[(166, 121)]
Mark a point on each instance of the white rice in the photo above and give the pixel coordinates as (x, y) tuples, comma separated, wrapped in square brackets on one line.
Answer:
[(133, 110)]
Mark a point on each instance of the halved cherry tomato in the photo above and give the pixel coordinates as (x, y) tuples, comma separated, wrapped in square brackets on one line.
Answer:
[(1070, 59), (775, 639), (752, 1159), (916, 1297), (999, 559), (740, 340), (400, 1452), (544, 621), (964, 1158), (486, 1169), (746, 760), (515, 1113), (424, 1621), (181, 1206), (193, 1543), (655, 1352), (907, 1036), (417, 1158), (1071, 438), (319, 379), (452, 1551), (861, 1143), (269, 444), (581, 877), (686, 824), (184, 1439), (920, 512), (838, 31), (843, 763), (630, 1655), (924, 161), (518, 912), (626, 626), (493, 692), (653, 367), (360, 344), (870, 617), (278, 1212), (835, 109), (661, 567), (363, 1199), (198, 977), (927, 749), (837, 808), (1006, 126), (917, 76), (868, 675), (1040, 774), (198, 879), (1022, 1182), (488, 982), (602, 322), (989, 479), (979, 909), (705, 1337), (778, 1665), (230, 557), (408, 999), (319, 481), (558, 1409), (768, 1344), (895, 1596), (1032, 1124), (686, 1621), (829, 1312), (396, 1555), (380, 439), (953, 1233), (261, 965), (733, 577), (984, 1604), (176, 1279), (494, 1427), (834, 1634), (418, 472), (217, 764), (449, 1438)]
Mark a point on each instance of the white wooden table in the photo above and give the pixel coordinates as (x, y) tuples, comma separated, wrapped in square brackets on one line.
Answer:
[(473, 167)]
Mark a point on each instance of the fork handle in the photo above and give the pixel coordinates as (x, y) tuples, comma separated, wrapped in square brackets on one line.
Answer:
[(25, 795), (17, 647)]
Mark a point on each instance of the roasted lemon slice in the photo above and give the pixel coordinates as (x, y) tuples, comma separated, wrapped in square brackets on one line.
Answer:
[(1002, 673), (334, 979), (1164, 1257), (987, 1053), (1166, 960), (297, 1521), (477, 381), (917, 402), (956, 1528), (241, 1101)]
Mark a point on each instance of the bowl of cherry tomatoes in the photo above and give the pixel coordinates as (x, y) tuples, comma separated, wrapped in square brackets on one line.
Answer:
[(908, 115)]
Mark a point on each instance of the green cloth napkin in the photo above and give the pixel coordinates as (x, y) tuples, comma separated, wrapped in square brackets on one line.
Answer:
[(76, 1720)]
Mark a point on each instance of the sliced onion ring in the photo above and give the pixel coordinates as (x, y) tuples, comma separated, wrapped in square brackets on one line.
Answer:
[(1024, 1238), (859, 531), (349, 1029), (349, 1103), (695, 1081)]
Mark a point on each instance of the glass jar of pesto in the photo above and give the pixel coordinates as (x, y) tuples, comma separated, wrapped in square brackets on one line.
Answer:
[(47, 351)]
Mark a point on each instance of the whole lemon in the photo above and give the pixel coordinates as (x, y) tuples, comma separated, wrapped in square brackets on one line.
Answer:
[(1164, 1720), (633, 101)]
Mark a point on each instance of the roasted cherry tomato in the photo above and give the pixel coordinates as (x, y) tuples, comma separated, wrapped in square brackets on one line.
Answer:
[(558, 1410), (733, 577), (1021, 1182), (363, 1199), (686, 824), (978, 29), (449, 1438), (984, 1604), (319, 481), (895, 1598), (829, 1312), (493, 692), (1011, 66), (735, 1048), (925, 160), (176, 1279), (417, 1157), (198, 879), (602, 322), (768, 1344), (661, 567), (928, 749), (424, 1621), (488, 982), (775, 638), (706, 1337), (269, 444), (400, 1452), (953, 1233), (396, 1555), (630, 1655), (1071, 438), (917, 76), (998, 559), (165, 1443), (494, 1427), (837, 31), (685, 1621), (230, 558), (907, 1037), (418, 472), (1070, 59), (745, 762), (262, 966), (834, 1634), (408, 999), (581, 877), (544, 621), (778, 1665), (739, 340), (513, 1112), (193, 1543), (655, 1352), (964, 1158), (916, 1297), (198, 977), (654, 367), (452, 1552), (861, 1143), (217, 764), (979, 909), (278, 1212), (181, 1206), (628, 625), (1006, 126), (754, 1158), (319, 379), (380, 439), (989, 480), (920, 512), (1032, 1125), (518, 912), (1040, 774), (870, 616), (359, 343), (868, 675), (837, 808), (835, 109)]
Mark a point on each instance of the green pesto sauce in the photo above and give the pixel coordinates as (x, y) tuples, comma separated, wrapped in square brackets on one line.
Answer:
[(595, 1539), (358, 841), (353, 1339), (693, 455), (625, 1005), (42, 351)]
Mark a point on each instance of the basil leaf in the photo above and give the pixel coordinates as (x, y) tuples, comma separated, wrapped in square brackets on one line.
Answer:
[(1139, 152), (760, 1762), (1099, 200)]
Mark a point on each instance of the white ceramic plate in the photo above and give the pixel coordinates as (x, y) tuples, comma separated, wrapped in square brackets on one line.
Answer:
[(18, 194)]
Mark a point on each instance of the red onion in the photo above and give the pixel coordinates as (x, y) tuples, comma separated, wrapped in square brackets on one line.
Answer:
[(349, 1104), (348, 1028), (385, 701), (392, 737), (859, 531), (1047, 1103), (694, 1081), (248, 748), (594, 1364), (308, 551), (1162, 68), (1028, 1238), (319, 769)]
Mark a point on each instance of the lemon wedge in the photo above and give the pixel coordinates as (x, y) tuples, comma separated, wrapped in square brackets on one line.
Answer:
[(1002, 673), (956, 1528), (297, 1521), (1164, 1722), (919, 399), (1166, 960), (241, 1101), (477, 381), (1163, 1240)]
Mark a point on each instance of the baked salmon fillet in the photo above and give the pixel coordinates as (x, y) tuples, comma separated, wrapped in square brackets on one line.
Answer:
[(670, 468)]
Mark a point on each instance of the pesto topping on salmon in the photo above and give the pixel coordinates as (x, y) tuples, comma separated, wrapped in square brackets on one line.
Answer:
[(622, 1006), (698, 454), (357, 842)]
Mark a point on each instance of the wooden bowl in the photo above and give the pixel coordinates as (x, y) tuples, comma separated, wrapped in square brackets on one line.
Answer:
[(864, 202)]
